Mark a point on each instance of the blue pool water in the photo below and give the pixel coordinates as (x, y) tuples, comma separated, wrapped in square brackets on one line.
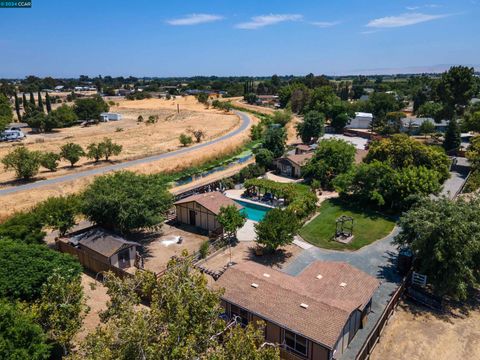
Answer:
[(253, 211)]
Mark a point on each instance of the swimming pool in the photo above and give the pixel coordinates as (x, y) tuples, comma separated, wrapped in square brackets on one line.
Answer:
[(253, 211)]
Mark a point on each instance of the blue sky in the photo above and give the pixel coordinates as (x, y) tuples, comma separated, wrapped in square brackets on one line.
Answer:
[(245, 37)]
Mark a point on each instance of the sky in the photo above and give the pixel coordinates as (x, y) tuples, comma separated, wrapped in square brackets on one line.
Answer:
[(68, 38)]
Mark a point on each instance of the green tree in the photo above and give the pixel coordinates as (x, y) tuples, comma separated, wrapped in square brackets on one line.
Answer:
[(49, 160), (48, 103), (393, 122), (277, 228), (21, 337), (282, 118), (202, 98), (400, 151), (17, 109), (198, 134), (32, 99), (108, 148), (61, 308), (90, 108), (183, 321), (231, 219), (6, 113), (427, 128), (473, 152), (452, 139), (332, 158), (94, 151), (126, 201), (63, 116), (380, 104), (250, 98), (58, 213), (264, 158), (37, 120), (431, 109), (185, 140), (72, 153), (311, 127), (456, 88), (275, 140), (24, 162), (444, 236), (32, 265), (23, 226), (339, 122), (40, 102)]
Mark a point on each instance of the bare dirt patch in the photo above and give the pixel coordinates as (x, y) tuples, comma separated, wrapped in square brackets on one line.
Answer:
[(245, 251), (416, 332), (160, 248)]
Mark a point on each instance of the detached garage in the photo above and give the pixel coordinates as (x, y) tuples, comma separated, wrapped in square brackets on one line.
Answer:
[(201, 210)]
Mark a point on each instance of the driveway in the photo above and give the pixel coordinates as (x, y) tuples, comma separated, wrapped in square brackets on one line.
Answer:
[(245, 122), (377, 259)]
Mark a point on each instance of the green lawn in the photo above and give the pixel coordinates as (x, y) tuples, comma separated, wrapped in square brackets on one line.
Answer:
[(368, 226)]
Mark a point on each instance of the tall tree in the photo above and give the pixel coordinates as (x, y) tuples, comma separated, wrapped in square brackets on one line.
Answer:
[(32, 99), (24, 101), (40, 102), (456, 88), (6, 113), (311, 127), (452, 139), (277, 228), (17, 108), (72, 153), (275, 140), (231, 219), (48, 103), (24, 162), (445, 238)]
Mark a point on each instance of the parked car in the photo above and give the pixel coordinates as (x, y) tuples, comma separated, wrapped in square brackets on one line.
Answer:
[(12, 134)]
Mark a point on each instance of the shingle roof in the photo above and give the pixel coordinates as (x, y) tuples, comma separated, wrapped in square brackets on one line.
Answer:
[(332, 291), (299, 159), (102, 242), (212, 201)]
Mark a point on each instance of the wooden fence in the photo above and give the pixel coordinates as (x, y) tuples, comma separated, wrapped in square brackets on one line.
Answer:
[(88, 262), (374, 336)]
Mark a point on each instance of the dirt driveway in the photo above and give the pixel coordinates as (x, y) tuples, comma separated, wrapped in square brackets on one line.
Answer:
[(416, 333)]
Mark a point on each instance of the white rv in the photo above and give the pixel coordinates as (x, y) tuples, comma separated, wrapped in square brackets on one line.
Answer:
[(360, 121)]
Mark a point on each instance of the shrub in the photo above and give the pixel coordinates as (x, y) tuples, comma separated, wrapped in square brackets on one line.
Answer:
[(23, 226), (72, 153), (204, 249), (49, 160), (26, 163), (185, 140)]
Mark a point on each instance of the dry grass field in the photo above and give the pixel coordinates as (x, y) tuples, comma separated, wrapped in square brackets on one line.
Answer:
[(416, 333), (138, 139)]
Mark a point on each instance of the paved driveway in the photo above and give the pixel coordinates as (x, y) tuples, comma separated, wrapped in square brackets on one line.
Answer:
[(377, 259)]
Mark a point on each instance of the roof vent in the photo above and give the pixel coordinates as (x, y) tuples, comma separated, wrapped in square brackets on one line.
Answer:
[(319, 277), (305, 306), (266, 275), (343, 284), (254, 285)]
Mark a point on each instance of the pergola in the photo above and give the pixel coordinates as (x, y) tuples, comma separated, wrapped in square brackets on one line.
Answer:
[(344, 227)]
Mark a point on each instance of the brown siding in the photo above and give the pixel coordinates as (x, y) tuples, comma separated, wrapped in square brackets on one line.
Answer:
[(204, 218), (319, 352), (273, 333)]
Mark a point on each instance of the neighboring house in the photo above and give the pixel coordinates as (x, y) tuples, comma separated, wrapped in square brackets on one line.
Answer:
[(106, 247), (201, 210), (412, 125), (107, 116), (360, 121), (123, 92), (314, 315), (291, 165)]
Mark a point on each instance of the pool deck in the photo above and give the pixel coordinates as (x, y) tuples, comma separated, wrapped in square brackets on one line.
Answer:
[(235, 194)]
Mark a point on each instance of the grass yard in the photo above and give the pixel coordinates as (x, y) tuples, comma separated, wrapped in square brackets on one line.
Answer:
[(368, 226)]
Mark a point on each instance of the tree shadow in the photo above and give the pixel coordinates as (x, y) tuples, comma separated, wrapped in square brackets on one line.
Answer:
[(388, 271), (274, 259), (18, 182)]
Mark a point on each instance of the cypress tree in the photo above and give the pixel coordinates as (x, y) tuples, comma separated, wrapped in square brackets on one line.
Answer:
[(452, 136), (40, 102), (17, 108), (32, 99), (48, 103), (24, 101)]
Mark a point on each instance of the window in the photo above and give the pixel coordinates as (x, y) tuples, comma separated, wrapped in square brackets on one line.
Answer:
[(296, 343), (124, 258), (242, 314)]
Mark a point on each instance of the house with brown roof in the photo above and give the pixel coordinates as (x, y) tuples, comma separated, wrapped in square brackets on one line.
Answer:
[(314, 315), (201, 210), (106, 247), (291, 165)]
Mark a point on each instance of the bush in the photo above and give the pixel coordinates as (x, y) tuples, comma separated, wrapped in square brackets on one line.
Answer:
[(24, 268), (24, 226), (185, 140), (49, 160), (249, 172), (26, 163), (126, 201), (72, 153), (90, 108), (264, 158), (204, 249), (64, 116)]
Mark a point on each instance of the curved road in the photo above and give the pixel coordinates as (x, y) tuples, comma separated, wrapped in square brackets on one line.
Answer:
[(245, 122)]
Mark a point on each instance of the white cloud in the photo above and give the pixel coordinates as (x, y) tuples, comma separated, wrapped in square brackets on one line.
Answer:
[(404, 20), (265, 20), (427, 6), (194, 19), (325, 24)]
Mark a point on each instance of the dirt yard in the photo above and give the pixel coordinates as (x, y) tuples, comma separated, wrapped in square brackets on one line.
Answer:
[(138, 139), (245, 251), (415, 332), (160, 249)]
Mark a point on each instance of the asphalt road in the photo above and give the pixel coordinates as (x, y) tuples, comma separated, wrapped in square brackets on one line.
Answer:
[(245, 122)]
